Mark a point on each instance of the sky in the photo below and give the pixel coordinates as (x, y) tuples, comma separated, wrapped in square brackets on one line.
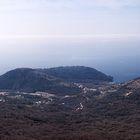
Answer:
[(71, 18), (103, 34)]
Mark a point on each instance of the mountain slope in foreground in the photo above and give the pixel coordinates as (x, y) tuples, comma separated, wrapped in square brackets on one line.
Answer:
[(99, 112)]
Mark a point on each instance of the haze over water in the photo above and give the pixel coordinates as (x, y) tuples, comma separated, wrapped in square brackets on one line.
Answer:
[(103, 34), (116, 57)]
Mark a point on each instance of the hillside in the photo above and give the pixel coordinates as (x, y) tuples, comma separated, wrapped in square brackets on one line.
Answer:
[(101, 112), (55, 80), (79, 74), (40, 104)]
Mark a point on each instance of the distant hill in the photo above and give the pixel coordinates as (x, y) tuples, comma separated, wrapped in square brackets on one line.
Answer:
[(26, 79), (79, 74), (54, 80)]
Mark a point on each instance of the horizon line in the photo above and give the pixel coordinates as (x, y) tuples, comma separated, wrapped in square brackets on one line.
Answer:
[(69, 36)]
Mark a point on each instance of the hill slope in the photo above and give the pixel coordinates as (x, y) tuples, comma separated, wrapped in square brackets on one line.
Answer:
[(59, 79), (78, 74), (111, 112), (23, 79)]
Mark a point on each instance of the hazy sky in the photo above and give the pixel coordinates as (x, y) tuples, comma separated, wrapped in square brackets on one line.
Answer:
[(69, 17), (104, 34)]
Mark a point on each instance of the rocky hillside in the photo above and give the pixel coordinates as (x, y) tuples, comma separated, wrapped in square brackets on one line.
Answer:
[(99, 112)]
